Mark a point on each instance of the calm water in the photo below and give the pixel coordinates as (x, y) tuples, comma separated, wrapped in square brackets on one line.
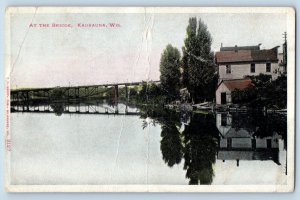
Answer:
[(157, 147)]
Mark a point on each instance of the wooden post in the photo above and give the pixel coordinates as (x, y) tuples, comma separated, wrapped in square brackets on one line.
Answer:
[(68, 97), (126, 91), (77, 93), (116, 98), (253, 142)]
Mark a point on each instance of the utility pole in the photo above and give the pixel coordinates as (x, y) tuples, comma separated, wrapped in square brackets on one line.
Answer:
[(284, 36), (284, 52)]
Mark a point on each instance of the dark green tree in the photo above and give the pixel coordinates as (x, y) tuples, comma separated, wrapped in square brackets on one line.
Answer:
[(170, 72), (198, 75), (57, 94), (266, 93)]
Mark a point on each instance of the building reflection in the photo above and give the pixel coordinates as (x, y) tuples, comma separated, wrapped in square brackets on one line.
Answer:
[(199, 139), (238, 142)]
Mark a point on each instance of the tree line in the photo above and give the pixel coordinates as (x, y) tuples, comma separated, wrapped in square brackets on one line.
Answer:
[(194, 71)]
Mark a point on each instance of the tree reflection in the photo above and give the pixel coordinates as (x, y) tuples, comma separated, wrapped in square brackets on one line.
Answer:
[(58, 108), (171, 144), (270, 124), (200, 142), (197, 144), (56, 96), (262, 125)]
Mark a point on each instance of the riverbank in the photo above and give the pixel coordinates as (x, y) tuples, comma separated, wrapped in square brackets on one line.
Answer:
[(211, 107)]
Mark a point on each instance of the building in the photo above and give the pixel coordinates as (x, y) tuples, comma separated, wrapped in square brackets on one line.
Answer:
[(241, 143), (226, 87), (238, 62), (282, 63)]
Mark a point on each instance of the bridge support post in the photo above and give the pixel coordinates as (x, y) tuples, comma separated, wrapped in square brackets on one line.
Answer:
[(77, 93), (68, 95), (86, 89), (77, 107), (126, 94), (24, 100), (116, 98), (27, 101)]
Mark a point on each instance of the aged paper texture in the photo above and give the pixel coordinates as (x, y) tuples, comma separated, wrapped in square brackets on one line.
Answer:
[(149, 99)]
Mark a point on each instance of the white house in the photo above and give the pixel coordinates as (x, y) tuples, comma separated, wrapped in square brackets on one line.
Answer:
[(238, 62), (226, 87)]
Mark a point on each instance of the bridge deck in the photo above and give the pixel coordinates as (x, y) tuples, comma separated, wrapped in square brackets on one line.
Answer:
[(83, 86)]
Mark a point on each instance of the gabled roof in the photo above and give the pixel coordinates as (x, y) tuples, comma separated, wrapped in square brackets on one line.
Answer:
[(237, 133), (246, 55), (239, 84)]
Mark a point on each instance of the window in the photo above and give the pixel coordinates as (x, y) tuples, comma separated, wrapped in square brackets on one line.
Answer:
[(268, 67), (223, 119), (228, 69), (252, 70)]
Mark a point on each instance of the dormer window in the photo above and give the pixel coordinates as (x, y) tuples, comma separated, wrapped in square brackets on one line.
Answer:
[(228, 69)]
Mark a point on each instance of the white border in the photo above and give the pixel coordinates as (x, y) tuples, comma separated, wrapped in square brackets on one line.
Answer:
[(289, 187)]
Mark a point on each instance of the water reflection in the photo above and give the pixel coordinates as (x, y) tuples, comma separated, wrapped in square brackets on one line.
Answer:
[(58, 108), (199, 139), (245, 137), (93, 107), (192, 137), (171, 143)]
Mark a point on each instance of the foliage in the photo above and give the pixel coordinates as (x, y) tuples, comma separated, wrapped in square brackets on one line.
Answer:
[(170, 72), (57, 93), (266, 93), (198, 62), (244, 96), (151, 93)]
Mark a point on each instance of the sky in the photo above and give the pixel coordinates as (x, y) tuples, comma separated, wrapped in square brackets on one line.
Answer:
[(63, 56)]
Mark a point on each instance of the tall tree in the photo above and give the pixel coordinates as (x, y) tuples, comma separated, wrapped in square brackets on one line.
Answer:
[(170, 72), (198, 62)]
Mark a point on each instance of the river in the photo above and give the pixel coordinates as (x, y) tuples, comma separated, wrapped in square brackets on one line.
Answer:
[(157, 147)]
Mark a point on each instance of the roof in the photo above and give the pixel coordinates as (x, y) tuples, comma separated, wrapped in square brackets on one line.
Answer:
[(246, 55), (240, 133), (239, 84), (236, 48)]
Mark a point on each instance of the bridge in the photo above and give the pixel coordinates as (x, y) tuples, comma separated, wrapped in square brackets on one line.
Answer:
[(77, 109), (22, 100)]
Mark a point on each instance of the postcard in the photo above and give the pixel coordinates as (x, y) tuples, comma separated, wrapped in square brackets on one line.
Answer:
[(149, 99)]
